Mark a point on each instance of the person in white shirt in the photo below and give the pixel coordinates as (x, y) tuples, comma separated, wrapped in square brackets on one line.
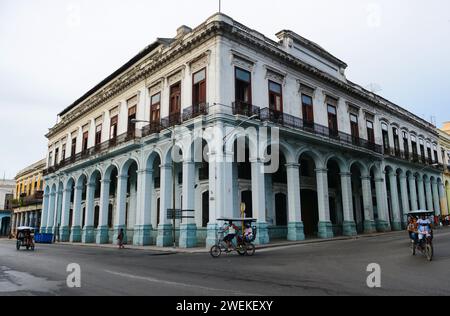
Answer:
[(424, 227)]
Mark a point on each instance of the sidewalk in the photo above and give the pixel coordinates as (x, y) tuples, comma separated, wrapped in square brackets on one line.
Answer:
[(273, 244)]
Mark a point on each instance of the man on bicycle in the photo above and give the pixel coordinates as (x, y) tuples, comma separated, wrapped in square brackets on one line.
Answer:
[(230, 230)]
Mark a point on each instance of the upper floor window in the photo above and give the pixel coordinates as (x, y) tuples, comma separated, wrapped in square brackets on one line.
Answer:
[(243, 86), (414, 147), (275, 96), (332, 120), (435, 151), (56, 156), (113, 127), (429, 154), (370, 132), (396, 140), (74, 147), (199, 88), (155, 108), (354, 126), (175, 101), (50, 158), (131, 118), (308, 111), (63, 152), (405, 144), (422, 148), (385, 131), (98, 134), (85, 141)]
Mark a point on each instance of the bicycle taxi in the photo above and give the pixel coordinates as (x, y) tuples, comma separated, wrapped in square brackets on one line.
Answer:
[(25, 238), (420, 227), (241, 241)]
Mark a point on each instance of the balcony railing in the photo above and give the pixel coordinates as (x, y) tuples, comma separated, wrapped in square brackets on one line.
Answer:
[(242, 108), (291, 121), (171, 120), (97, 149), (195, 111), (152, 128), (412, 157), (33, 199)]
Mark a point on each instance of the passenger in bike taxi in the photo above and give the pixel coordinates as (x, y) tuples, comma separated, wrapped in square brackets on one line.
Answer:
[(425, 228), (413, 228), (230, 231)]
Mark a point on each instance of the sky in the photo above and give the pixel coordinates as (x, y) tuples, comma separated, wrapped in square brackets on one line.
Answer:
[(53, 51)]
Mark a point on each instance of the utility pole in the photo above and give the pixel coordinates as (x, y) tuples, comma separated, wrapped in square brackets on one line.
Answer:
[(173, 190)]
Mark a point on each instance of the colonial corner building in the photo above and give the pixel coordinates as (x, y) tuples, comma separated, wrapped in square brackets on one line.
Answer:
[(29, 191), (350, 161)]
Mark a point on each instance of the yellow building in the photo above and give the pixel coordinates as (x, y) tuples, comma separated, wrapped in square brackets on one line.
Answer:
[(444, 138), (27, 203)]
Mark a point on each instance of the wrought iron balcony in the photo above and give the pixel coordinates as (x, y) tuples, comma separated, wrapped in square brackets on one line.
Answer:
[(291, 121), (242, 108), (130, 135), (28, 200), (171, 120), (152, 128), (195, 111)]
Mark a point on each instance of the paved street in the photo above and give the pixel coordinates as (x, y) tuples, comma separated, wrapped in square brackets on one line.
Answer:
[(331, 268)]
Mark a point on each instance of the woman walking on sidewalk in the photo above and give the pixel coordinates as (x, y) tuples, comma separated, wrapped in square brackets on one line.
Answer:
[(120, 238)]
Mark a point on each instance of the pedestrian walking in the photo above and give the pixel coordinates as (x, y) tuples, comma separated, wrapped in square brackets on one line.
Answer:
[(120, 238)]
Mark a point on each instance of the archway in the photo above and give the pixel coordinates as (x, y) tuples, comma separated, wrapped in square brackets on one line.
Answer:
[(335, 197), (309, 198), (357, 196)]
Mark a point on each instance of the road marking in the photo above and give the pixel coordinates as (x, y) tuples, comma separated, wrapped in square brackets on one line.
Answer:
[(177, 284)]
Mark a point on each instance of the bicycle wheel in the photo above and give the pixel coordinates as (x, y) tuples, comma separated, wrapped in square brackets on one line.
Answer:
[(215, 251), (429, 252), (251, 249), (413, 248), (241, 250), (18, 245)]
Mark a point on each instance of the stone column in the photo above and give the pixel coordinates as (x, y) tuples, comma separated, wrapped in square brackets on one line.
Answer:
[(259, 202), (395, 201), (88, 236), (188, 228), (103, 228), (121, 206), (143, 229), (325, 225), (404, 195), (429, 194), (369, 223), (51, 212), (75, 233), (443, 199), (383, 223), (413, 193), (44, 213), (296, 229), (437, 207), (165, 238), (65, 229), (422, 203), (349, 225)]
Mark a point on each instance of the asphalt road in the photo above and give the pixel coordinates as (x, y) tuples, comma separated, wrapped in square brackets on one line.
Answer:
[(331, 268)]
